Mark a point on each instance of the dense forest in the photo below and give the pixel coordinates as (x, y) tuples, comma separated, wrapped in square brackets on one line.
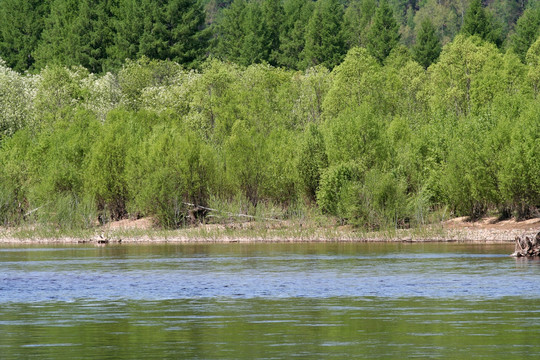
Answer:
[(376, 114)]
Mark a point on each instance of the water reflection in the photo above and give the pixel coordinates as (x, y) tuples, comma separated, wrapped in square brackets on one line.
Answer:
[(268, 301)]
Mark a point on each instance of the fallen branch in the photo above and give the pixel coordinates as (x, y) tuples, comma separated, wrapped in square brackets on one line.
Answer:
[(229, 213)]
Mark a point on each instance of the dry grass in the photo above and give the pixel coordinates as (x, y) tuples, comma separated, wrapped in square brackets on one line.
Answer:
[(486, 230)]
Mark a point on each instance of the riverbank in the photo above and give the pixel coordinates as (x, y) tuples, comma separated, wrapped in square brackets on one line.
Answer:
[(487, 230)]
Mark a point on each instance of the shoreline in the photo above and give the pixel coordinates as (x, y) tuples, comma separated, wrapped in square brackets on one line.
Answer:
[(484, 231)]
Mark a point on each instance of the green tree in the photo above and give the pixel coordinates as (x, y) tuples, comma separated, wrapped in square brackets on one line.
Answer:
[(466, 77), (384, 32), (77, 33), (428, 45), (254, 47), (174, 30), (533, 64), (171, 167), (357, 20), (312, 160), (127, 22), (229, 32), (518, 173), (292, 38), (356, 81), (21, 25), (526, 32), (480, 22), (324, 37), (273, 17)]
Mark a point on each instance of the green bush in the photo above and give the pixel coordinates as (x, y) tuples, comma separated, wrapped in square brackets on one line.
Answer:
[(312, 160), (175, 169), (334, 180)]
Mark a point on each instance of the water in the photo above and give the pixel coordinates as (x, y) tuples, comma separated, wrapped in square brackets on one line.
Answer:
[(268, 301)]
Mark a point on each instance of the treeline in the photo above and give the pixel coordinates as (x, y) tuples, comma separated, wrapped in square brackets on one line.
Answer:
[(296, 34), (373, 145)]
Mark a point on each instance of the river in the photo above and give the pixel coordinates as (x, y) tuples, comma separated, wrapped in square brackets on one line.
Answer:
[(268, 301)]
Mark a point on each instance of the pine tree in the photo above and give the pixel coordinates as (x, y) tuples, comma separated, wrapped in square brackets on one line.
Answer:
[(428, 44), (292, 38), (127, 23), (273, 16), (229, 32), (479, 22), (527, 30), (188, 36), (58, 44), (93, 34), (21, 25), (357, 19), (253, 47), (76, 33), (324, 37), (384, 32)]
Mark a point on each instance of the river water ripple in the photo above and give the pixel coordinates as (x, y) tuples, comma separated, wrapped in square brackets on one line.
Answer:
[(268, 301)]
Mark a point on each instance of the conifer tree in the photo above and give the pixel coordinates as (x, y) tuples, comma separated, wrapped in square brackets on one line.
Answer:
[(527, 30), (324, 37), (76, 33), (21, 25), (479, 22), (253, 46), (127, 23), (357, 19), (174, 30), (229, 32), (273, 16), (428, 44), (384, 32), (292, 38), (188, 37), (58, 37)]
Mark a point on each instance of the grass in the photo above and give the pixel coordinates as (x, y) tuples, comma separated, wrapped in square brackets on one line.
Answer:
[(302, 229)]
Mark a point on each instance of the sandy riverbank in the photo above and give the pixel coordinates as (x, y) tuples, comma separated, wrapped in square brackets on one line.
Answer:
[(487, 230)]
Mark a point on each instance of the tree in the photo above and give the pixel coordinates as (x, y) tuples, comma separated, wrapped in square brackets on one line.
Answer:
[(533, 63), (384, 32), (428, 44), (21, 25), (229, 32), (292, 38), (76, 33), (253, 47), (127, 23), (174, 30), (312, 160), (357, 20), (324, 38), (527, 30), (273, 16), (479, 22)]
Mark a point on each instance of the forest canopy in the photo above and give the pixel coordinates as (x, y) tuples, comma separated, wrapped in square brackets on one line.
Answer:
[(371, 138), (296, 34)]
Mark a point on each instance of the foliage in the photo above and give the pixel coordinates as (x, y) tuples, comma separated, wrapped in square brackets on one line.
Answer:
[(526, 32), (428, 46), (324, 38), (479, 22), (383, 34), (312, 160), (373, 144)]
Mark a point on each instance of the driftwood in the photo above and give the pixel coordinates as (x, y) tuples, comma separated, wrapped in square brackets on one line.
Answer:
[(527, 246), (199, 212)]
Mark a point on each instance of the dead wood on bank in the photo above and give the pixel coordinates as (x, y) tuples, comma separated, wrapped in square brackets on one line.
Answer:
[(527, 246)]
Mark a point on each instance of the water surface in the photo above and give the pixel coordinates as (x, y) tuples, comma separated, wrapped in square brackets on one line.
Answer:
[(268, 301)]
